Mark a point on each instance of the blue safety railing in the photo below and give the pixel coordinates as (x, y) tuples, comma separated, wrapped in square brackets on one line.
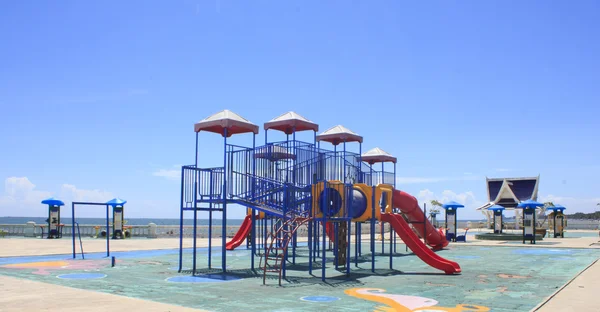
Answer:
[(207, 181)]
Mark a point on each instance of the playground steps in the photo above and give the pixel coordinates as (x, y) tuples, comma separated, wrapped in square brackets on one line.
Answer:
[(275, 257)]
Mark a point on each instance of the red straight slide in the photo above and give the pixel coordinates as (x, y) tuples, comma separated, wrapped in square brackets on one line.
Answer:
[(241, 234), (409, 205), (417, 246)]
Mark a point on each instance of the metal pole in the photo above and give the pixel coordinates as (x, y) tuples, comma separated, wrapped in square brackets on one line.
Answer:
[(195, 197), (253, 180), (372, 222), (210, 207), (360, 175), (224, 221), (382, 223), (73, 227), (395, 236), (180, 223), (344, 164), (107, 239)]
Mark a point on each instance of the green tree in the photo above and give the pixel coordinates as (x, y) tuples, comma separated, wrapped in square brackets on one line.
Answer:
[(436, 205)]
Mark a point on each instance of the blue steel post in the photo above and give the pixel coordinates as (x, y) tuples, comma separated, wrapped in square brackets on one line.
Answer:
[(107, 239), (349, 223), (344, 165), (210, 207), (324, 210), (310, 245), (195, 225), (224, 221), (359, 238), (195, 197), (382, 223), (373, 223), (395, 236), (294, 236), (253, 180), (73, 227), (285, 229), (335, 244), (181, 223), (349, 228)]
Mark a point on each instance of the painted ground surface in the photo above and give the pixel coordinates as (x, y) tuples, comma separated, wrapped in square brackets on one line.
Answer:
[(494, 278)]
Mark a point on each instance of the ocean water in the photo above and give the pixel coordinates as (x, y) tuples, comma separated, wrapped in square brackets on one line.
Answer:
[(130, 221), (133, 221)]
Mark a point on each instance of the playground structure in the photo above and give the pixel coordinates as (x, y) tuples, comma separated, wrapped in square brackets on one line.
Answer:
[(451, 222), (117, 224), (557, 221), (498, 223), (54, 225), (287, 185)]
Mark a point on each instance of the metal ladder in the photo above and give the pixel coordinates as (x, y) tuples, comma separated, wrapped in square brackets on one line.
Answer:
[(277, 250)]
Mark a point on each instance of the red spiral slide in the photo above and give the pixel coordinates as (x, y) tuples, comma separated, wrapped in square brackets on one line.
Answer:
[(241, 234)]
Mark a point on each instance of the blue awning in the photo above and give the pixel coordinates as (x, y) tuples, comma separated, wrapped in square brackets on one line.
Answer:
[(53, 202), (116, 202), (496, 207), (530, 203), (452, 204), (557, 208)]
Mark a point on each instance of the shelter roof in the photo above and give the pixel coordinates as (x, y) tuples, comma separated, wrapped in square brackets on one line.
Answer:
[(226, 119), (290, 122), (339, 134)]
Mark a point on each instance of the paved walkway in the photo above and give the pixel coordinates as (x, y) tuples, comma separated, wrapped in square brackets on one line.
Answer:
[(581, 294), (19, 294), (25, 295)]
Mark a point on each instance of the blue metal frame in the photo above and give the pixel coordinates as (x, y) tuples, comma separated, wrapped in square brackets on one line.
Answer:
[(73, 204), (281, 188)]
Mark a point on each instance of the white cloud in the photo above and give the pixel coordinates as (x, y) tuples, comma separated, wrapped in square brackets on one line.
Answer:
[(20, 198), (466, 198), (169, 174), (572, 204), (420, 180), (71, 193)]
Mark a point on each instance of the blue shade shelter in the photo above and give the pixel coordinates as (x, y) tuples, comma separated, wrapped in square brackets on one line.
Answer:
[(118, 218), (530, 203), (116, 202), (53, 202), (451, 219), (559, 220), (452, 204), (529, 207), (54, 225), (498, 218)]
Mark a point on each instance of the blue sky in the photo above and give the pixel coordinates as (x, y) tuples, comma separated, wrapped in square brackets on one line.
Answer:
[(99, 99)]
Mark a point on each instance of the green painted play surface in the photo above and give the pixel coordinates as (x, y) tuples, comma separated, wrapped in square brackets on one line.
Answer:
[(499, 278)]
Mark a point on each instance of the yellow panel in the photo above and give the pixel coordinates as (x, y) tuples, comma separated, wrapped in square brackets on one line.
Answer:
[(261, 214), (368, 191), (388, 189), (320, 187)]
